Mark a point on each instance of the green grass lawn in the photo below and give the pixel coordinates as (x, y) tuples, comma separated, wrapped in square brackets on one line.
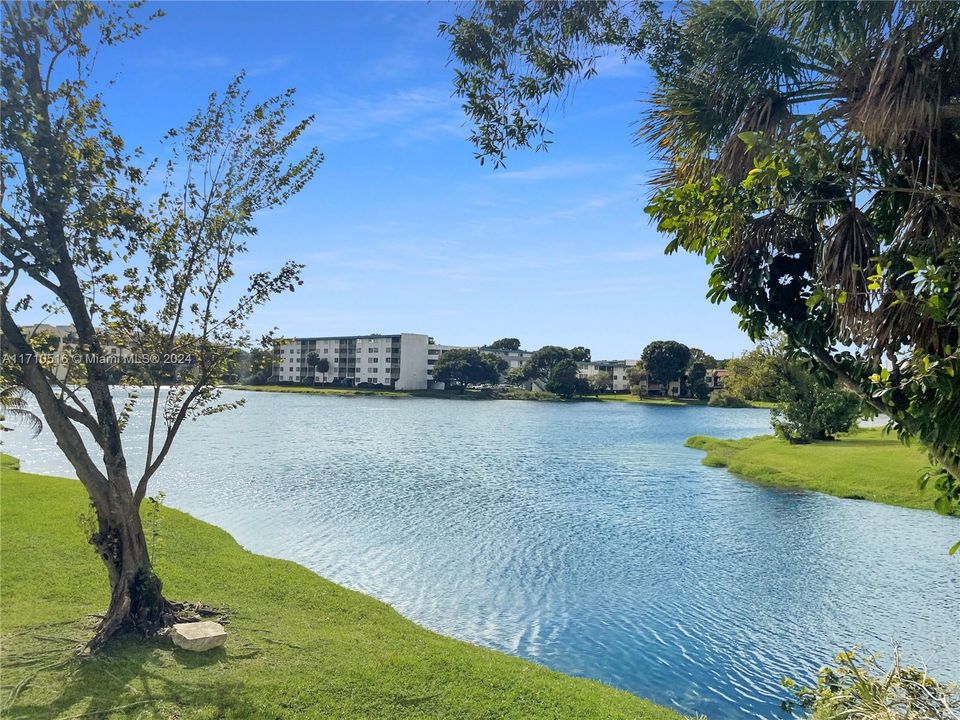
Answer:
[(299, 647), (650, 400), (678, 402), (865, 464)]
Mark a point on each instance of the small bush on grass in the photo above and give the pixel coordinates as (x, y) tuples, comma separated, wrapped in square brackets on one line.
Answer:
[(858, 688), (722, 398)]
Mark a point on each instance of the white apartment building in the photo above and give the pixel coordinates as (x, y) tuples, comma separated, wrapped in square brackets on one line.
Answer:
[(617, 370), (515, 358), (405, 361), (395, 361)]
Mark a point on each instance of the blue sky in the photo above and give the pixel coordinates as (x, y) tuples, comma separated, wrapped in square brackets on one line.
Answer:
[(402, 229)]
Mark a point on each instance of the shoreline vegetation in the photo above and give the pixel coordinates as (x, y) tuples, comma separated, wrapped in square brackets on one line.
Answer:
[(495, 394), (300, 645), (865, 464)]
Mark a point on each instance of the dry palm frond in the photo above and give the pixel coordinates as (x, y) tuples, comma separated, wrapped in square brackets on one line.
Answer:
[(930, 225), (899, 101), (898, 323), (846, 254), (680, 127), (767, 113)]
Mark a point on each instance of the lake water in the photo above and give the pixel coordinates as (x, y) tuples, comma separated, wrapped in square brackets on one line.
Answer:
[(582, 536)]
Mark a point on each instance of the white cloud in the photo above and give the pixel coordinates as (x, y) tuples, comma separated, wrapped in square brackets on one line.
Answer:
[(613, 66), (552, 171), (406, 114)]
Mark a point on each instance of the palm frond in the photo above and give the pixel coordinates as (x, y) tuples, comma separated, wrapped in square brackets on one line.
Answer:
[(930, 225), (13, 406), (846, 254), (767, 113), (894, 94)]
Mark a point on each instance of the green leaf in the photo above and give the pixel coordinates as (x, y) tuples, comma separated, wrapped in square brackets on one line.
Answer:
[(943, 505), (842, 297), (954, 549)]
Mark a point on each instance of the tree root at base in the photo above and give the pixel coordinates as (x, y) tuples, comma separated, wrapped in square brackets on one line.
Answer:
[(172, 612)]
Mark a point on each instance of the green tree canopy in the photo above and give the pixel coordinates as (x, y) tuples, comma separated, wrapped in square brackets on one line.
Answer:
[(757, 373), (636, 376), (516, 376), (699, 356), (580, 353), (600, 383), (464, 366), (564, 379), (809, 406), (506, 344), (696, 381), (541, 362), (665, 360), (258, 367)]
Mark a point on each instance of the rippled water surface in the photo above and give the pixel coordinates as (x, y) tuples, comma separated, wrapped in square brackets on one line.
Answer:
[(583, 536)]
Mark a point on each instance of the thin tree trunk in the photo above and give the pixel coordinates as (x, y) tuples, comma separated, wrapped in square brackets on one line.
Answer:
[(136, 598)]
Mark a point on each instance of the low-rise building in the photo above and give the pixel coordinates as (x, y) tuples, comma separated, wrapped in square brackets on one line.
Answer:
[(617, 369), (405, 361), (716, 378), (396, 361), (515, 359)]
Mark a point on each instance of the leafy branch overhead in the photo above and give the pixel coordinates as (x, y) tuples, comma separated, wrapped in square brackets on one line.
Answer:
[(515, 60), (809, 151)]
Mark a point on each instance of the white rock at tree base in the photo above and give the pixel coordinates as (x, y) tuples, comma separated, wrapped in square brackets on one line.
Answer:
[(198, 636)]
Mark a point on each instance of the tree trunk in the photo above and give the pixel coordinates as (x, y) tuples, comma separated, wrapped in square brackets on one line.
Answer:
[(136, 599)]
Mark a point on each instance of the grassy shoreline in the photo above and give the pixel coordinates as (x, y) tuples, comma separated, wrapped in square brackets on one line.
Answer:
[(300, 646), (863, 465), (499, 394)]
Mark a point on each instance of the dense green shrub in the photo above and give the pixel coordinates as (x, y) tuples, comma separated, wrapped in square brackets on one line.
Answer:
[(722, 398), (809, 409)]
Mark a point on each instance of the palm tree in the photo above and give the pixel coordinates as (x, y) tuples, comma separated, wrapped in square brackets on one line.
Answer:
[(811, 151), (13, 407)]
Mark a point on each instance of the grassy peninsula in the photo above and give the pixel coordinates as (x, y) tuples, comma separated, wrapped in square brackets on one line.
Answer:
[(866, 464), (300, 646)]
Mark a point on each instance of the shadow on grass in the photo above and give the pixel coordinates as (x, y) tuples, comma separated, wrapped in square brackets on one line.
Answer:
[(130, 676)]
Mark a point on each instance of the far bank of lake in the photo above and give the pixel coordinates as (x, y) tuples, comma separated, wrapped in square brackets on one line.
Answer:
[(584, 536), (496, 394)]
